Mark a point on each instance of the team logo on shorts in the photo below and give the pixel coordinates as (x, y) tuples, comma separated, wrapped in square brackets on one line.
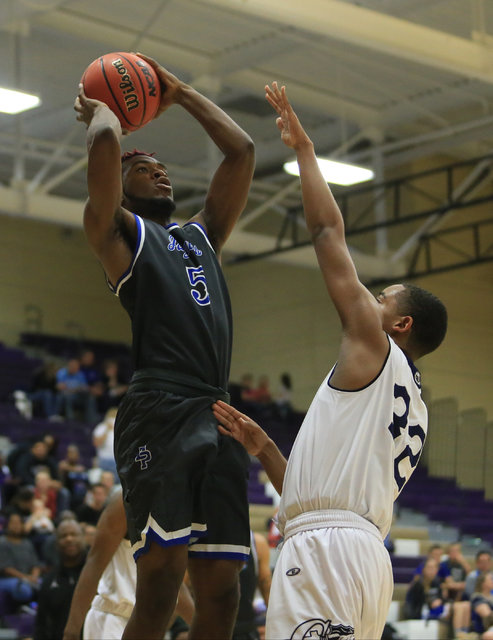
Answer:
[(144, 457), (293, 572), (316, 628)]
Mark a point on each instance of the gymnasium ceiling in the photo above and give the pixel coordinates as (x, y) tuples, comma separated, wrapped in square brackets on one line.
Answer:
[(393, 84)]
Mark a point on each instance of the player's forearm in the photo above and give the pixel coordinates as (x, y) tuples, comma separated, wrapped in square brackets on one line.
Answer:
[(274, 464), (225, 133), (321, 209)]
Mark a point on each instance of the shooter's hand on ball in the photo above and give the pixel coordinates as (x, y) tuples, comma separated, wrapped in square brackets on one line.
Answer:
[(292, 133), (170, 84)]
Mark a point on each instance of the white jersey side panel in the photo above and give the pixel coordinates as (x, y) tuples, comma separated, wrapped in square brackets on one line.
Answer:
[(119, 579), (356, 449)]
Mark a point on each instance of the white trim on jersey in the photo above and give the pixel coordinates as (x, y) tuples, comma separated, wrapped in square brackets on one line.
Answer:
[(202, 231), (140, 243)]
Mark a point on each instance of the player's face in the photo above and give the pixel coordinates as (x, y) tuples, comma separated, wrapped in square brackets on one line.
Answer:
[(388, 301), (146, 178)]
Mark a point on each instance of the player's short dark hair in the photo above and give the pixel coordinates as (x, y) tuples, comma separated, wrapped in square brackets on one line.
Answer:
[(482, 552), (429, 317), (131, 154)]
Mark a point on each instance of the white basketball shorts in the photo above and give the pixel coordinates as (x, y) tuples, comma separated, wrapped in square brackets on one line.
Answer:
[(333, 579), (100, 625)]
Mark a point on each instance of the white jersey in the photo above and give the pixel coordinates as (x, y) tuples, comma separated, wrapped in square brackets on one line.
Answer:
[(356, 449), (116, 588)]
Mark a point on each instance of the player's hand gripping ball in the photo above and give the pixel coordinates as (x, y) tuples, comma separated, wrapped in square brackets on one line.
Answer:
[(127, 84)]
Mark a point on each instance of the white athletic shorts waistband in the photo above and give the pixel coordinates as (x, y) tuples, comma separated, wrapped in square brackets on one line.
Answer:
[(326, 519), (123, 609)]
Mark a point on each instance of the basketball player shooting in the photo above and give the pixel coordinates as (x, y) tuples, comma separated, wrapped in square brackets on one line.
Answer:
[(174, 466), (359, 443)]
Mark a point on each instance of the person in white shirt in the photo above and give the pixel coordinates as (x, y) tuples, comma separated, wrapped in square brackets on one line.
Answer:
[(359, 443), (103, 439)]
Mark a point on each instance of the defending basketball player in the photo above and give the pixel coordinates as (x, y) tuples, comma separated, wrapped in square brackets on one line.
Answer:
[(184, 485), (359, 443)]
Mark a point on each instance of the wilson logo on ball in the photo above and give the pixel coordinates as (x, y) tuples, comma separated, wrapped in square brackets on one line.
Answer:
[(127, 84)]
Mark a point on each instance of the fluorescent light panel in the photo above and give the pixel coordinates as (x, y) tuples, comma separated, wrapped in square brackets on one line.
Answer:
[(16, 101), (335, 172)]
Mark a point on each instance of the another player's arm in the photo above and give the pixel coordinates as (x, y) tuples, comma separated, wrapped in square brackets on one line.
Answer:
[(104, 216), (110, 530), (356, 307), (247, 432), (264, 572), (228, 191)]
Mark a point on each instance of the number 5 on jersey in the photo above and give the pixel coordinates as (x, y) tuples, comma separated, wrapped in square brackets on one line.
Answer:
[(196, 277)]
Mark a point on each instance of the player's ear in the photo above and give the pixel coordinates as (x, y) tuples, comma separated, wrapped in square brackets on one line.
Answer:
[(403, 324)]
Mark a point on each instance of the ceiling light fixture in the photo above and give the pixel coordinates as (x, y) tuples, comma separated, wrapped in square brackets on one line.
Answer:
[(335, 172), (16, 101)]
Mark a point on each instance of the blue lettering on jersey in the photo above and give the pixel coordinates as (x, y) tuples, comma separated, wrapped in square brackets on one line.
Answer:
[(320, 629), (144, 457), (398, 428), (199, 291), (174, 245)]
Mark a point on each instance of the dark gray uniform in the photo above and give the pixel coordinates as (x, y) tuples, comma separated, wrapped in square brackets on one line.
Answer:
[(182, 481)]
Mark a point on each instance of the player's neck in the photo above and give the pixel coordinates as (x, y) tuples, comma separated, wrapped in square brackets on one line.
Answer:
[(156, 209)]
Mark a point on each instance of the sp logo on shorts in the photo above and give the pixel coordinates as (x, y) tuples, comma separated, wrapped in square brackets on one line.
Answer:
[(316, 628), (144, 457), (293, 572)]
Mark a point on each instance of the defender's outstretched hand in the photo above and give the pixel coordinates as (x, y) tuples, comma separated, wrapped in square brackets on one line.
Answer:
[(237, 425), (292, 133)]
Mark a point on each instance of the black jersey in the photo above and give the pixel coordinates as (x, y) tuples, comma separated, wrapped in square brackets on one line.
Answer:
[(176, 296)]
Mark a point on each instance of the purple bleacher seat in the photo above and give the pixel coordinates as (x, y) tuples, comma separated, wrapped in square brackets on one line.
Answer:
[(23, 623), (406, 562), (403, 575)]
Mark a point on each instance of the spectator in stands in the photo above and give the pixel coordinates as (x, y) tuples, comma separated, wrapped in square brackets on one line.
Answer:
[(93, 506), (74, 392), (247, 392), (95, 472), (102, 439), (115, 385), (262, 393), (20, 567), (44, 390), (46, 492), (39, 526), (283, 398), (108, 481), (424, 598), (435, 552), (454, 570), (92, 374), (483, 564), (51, 442), (31, 461), (482, 606), (21, 503), (73, 475), (58, 585)]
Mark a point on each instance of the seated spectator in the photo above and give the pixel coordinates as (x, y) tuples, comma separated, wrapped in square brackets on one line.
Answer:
[(102, 439), (435, 552), (20, 567), (95, 472), (31, 461), (262, 394), (247, 392), (115, 385), (454, 570), (482, 606), (39, 526), (21, 503), (74, 392), (43, 394), (283, 398), (92, 374), (108, 481), (46, 492), (58, 585), (483, 564), (424, 599), (93, 506), (73, 475)]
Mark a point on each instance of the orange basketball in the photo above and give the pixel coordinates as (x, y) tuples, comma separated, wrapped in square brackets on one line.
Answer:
[(127, 84)]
